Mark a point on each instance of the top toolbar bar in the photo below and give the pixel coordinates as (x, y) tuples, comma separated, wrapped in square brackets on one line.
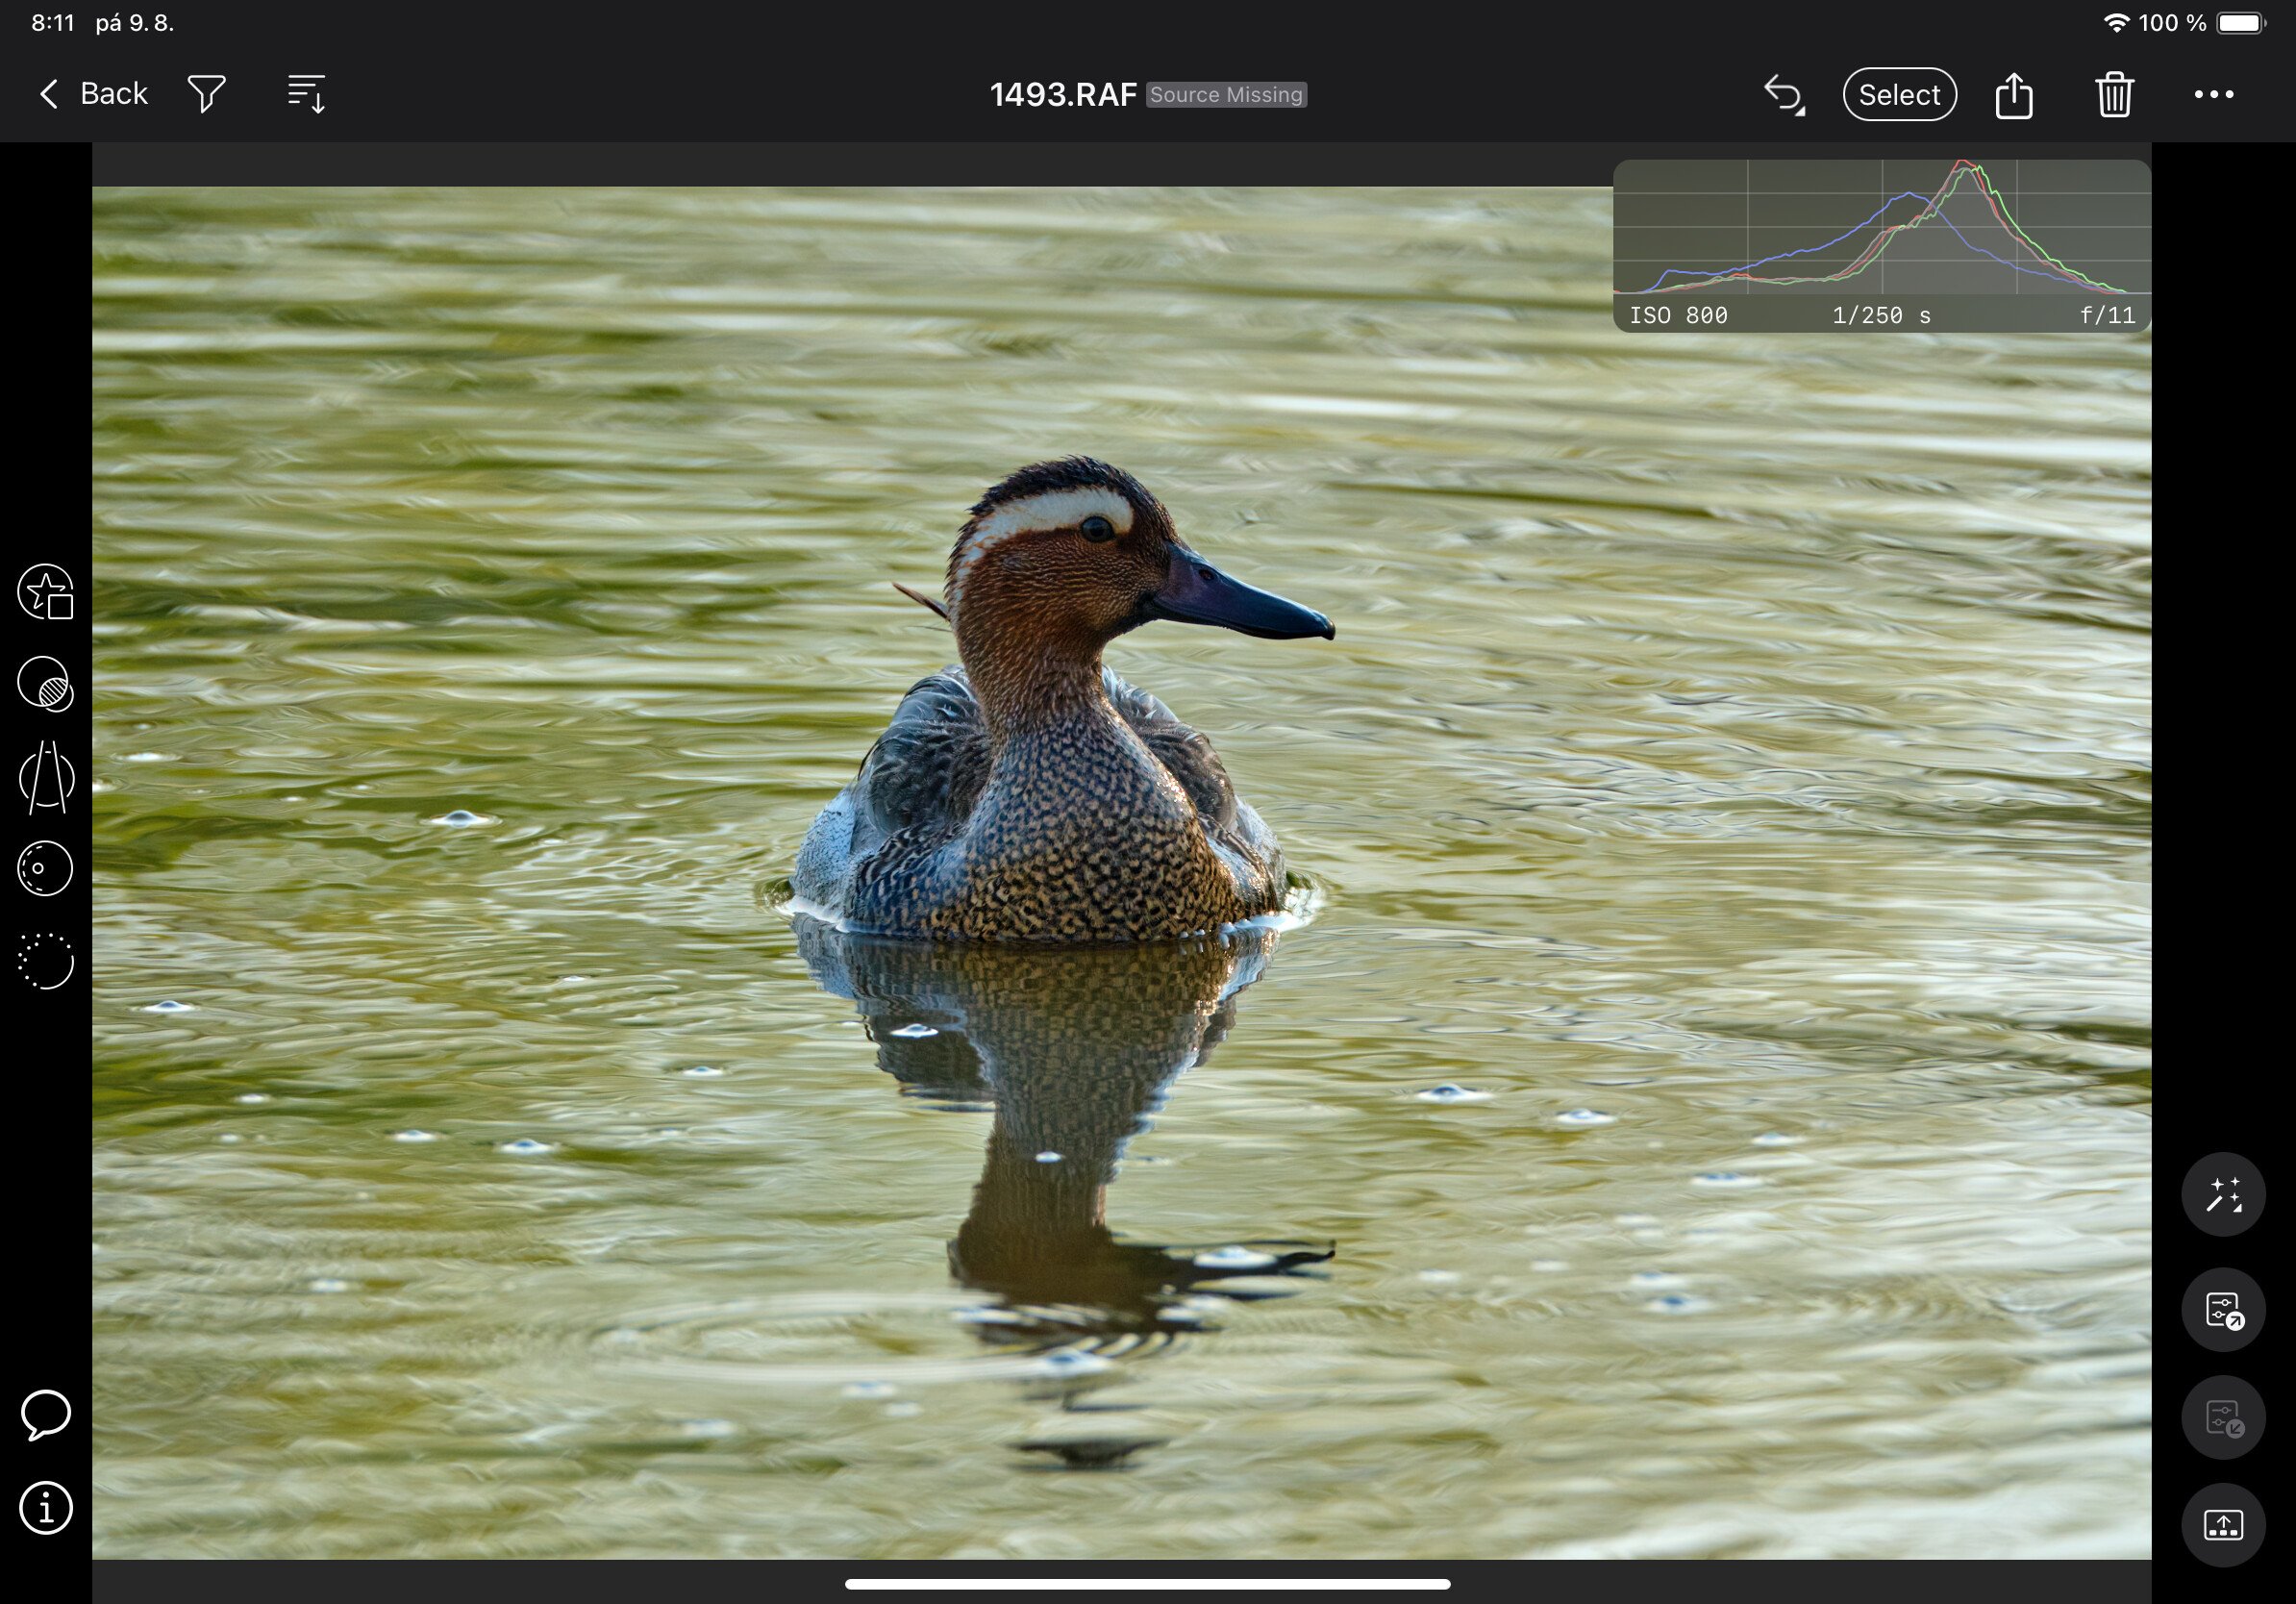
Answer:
[(429, 72)]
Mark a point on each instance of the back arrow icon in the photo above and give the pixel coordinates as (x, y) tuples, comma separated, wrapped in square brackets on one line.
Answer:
[(1778, 91), (44, 94)]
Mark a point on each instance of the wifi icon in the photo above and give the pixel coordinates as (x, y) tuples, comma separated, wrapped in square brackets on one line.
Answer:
[(2116, 20)]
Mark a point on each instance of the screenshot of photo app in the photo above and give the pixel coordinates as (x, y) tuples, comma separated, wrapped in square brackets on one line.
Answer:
[(1206, 801)]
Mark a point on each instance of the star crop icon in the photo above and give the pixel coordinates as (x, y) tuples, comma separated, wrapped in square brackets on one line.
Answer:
[(44, 590)]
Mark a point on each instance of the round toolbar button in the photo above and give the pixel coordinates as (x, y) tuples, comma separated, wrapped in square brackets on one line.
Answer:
[(2224, 1310), (2224, 1417), (2224, 1524), (2224, 1194)]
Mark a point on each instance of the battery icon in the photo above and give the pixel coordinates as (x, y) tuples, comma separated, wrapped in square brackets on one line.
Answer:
[(2240, 22)]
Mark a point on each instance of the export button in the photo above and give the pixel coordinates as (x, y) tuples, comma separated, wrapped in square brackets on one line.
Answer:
[(1900, 94)]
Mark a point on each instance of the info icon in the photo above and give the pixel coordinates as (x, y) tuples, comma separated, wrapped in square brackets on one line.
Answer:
[(2224, 1310), (45, 1507), (2224, 1417), (2224, 1194), (2224, 1524)]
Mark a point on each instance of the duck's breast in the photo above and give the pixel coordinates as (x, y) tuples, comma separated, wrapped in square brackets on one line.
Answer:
[(1237, 831)]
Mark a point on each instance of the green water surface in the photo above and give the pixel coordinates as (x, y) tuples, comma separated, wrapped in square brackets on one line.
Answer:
[(1732, 773)]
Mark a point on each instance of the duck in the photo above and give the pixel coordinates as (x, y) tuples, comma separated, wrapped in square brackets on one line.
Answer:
[(1027, 792)]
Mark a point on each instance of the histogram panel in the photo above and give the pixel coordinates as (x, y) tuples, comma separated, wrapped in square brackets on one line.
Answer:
[(1883, 245)]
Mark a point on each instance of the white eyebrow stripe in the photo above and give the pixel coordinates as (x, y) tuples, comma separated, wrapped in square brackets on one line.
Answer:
[(1055, 510), (1045, 510)]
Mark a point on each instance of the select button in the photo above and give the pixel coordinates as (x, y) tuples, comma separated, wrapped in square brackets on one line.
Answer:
[(1900, 94)]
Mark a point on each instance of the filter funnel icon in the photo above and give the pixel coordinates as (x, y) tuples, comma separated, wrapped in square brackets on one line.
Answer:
[(209, 84)]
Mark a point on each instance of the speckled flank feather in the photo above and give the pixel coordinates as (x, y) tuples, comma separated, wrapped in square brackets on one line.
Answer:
[(1031, 795)]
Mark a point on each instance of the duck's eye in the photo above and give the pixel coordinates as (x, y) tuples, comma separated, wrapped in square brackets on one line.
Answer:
[(1097, 527)]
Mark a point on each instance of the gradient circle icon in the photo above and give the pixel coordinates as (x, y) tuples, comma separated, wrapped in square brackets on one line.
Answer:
[(45, 683), (44, 867)]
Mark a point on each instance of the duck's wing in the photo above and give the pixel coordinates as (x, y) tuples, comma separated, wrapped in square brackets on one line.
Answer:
[(926, 771), (924, 775)]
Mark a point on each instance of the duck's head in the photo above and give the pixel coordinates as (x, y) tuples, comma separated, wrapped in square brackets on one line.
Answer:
[(1064, 557)]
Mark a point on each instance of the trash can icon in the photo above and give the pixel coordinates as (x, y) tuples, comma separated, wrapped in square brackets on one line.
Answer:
[(2112, 94)]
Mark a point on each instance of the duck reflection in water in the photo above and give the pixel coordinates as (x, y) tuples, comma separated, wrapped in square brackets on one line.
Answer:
[(1071, 1050)]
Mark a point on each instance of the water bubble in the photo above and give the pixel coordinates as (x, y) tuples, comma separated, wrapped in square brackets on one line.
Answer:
[(149, 756), (706, 1428), (1659, 1278), (230, 1138), (251, 1097), (1775, 1138), (1725, 1180), (1580, 1118), (328, 1284), (1074, 1361), (1678, 1303), (1449, 1094), (985, 1315), (903, 1411), (170, 1006), (462, 818), (915, 1033), (704, 1072), (1440, 1277), (524, 1147), (869, 1390), (414, 1136), (1048, 1156), (1236, 1257)]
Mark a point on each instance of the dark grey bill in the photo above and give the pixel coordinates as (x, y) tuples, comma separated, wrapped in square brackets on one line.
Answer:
[(1195, 592)]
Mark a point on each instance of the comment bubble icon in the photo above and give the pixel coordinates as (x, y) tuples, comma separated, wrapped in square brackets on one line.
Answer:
[(46, 1412)]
